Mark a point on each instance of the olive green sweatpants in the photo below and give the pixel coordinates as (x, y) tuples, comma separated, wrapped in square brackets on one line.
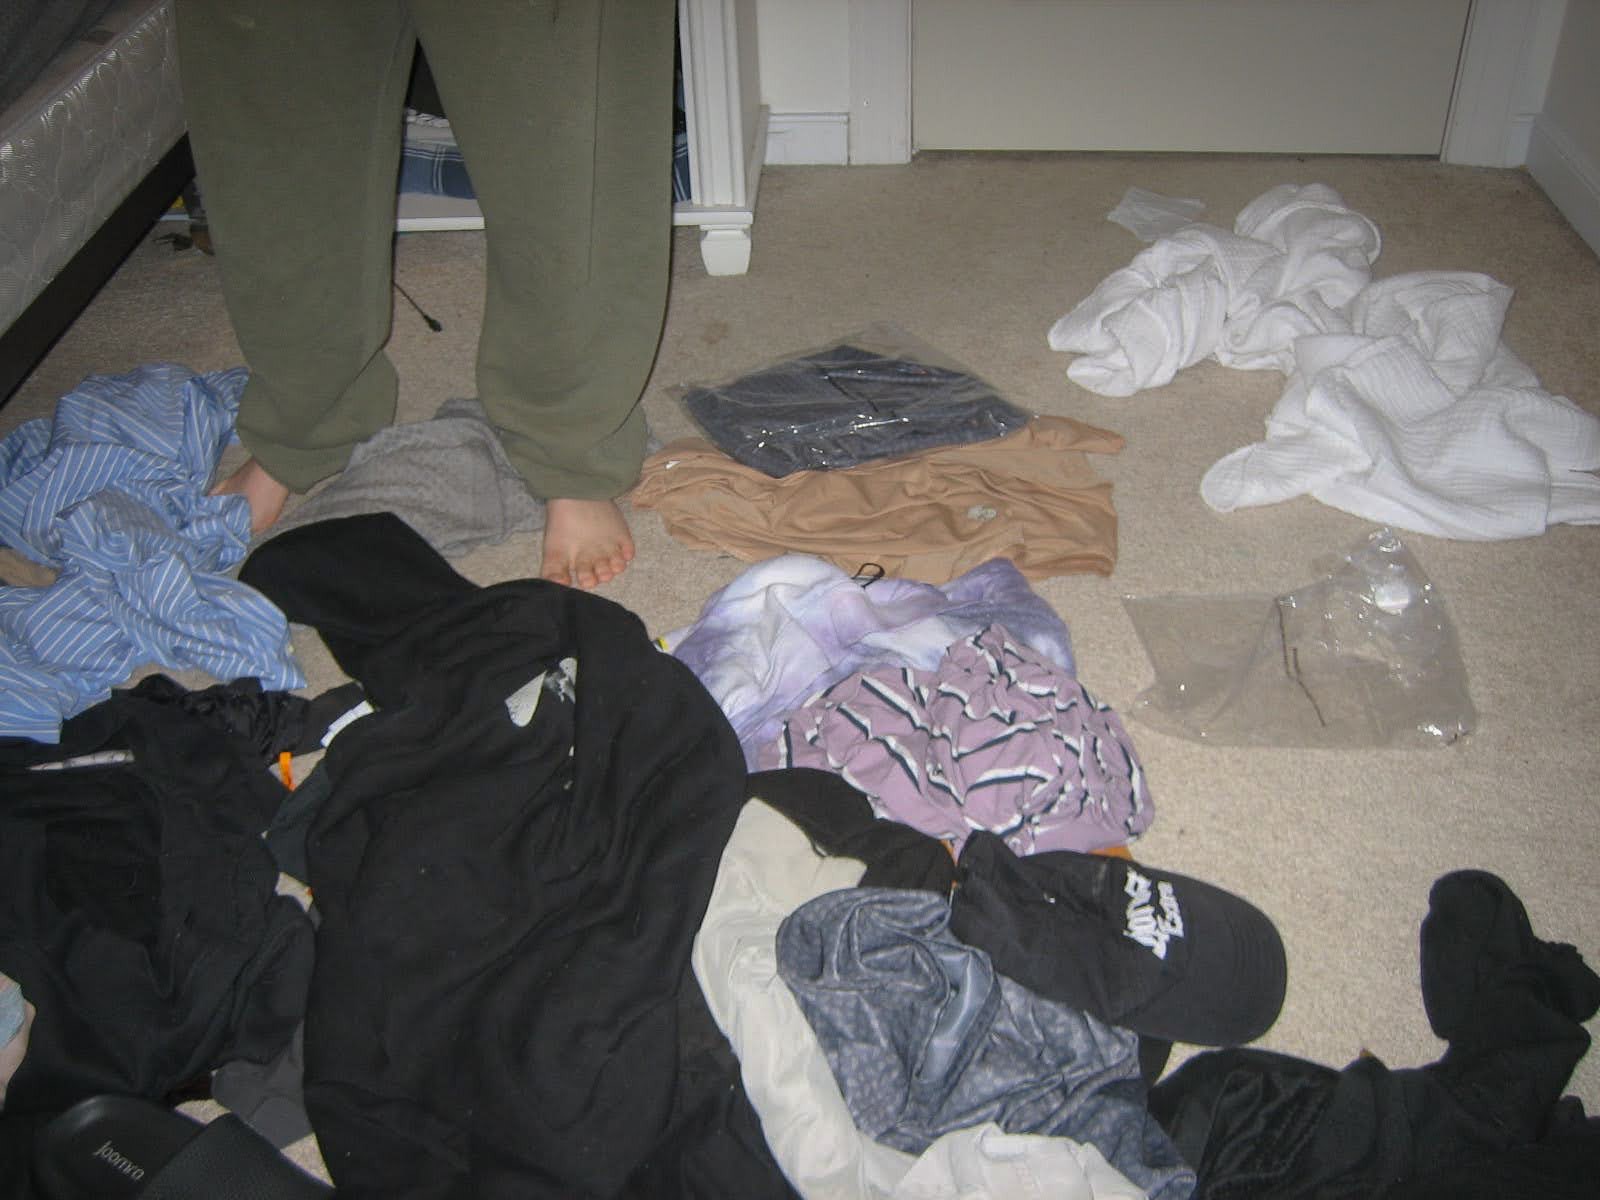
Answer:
[(563, 111)]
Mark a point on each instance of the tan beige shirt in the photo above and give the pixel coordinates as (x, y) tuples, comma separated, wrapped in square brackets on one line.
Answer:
[(1031, 497)]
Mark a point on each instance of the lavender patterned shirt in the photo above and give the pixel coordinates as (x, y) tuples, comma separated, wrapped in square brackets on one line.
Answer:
[(996, 737)]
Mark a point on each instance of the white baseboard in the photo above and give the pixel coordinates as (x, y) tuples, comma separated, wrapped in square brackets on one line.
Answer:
[(808, 137), (419, 212), (1518, 134), (1568, 176)]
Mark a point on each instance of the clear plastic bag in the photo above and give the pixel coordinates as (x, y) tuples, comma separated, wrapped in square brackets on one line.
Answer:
[(876, 394), (1365, 656)]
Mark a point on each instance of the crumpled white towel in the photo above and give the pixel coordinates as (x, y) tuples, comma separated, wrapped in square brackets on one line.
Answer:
[(1421, 418), (1402, 406), (1453, 318), (1295, 256), (1162, 312), (1325, 256), (1368, 426)]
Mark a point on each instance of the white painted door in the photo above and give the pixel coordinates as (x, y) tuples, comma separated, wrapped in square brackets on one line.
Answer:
[(1286, 76)]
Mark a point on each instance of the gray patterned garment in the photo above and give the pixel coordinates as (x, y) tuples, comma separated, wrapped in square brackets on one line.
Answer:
[(11, 1010), (924, 1038)]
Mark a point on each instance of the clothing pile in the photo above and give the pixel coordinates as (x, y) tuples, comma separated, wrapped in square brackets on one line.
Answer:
[(1403, 405), (110, 497), (876, 450), (833, 892), (562, 941), (513, 856)]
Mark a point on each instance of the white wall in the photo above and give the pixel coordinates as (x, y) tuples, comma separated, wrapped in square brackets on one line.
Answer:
[(804, 60), (805, 54), (1564, 148), (1572, 101)]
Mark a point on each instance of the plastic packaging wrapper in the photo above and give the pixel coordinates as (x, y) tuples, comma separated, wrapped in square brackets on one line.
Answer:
[(1365, 656), (877, 394), (1150, 216)]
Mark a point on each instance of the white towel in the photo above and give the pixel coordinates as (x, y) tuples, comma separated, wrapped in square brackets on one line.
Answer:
[(1453, 318), (1162, 312), (1368, 425), (1295, 257), (1324, 259), (1402, 405)]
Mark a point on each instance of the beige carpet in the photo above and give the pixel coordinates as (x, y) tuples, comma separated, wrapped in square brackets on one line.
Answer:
[(979, 255)]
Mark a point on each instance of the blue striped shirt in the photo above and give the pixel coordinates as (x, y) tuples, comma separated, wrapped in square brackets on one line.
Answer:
[(112, 492)]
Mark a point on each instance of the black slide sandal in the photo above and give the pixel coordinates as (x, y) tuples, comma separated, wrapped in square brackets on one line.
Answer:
[(113, 1147)]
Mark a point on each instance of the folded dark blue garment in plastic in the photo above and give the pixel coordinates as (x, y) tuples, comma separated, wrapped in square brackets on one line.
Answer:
[(845, 406)]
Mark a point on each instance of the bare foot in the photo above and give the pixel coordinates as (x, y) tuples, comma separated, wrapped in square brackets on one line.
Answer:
[(586, 542), (265, 494)]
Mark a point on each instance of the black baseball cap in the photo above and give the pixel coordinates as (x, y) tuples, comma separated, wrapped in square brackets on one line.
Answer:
[(1149, 950)]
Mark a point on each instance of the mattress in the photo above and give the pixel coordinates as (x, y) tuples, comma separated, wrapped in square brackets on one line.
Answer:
[(80, 138)]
